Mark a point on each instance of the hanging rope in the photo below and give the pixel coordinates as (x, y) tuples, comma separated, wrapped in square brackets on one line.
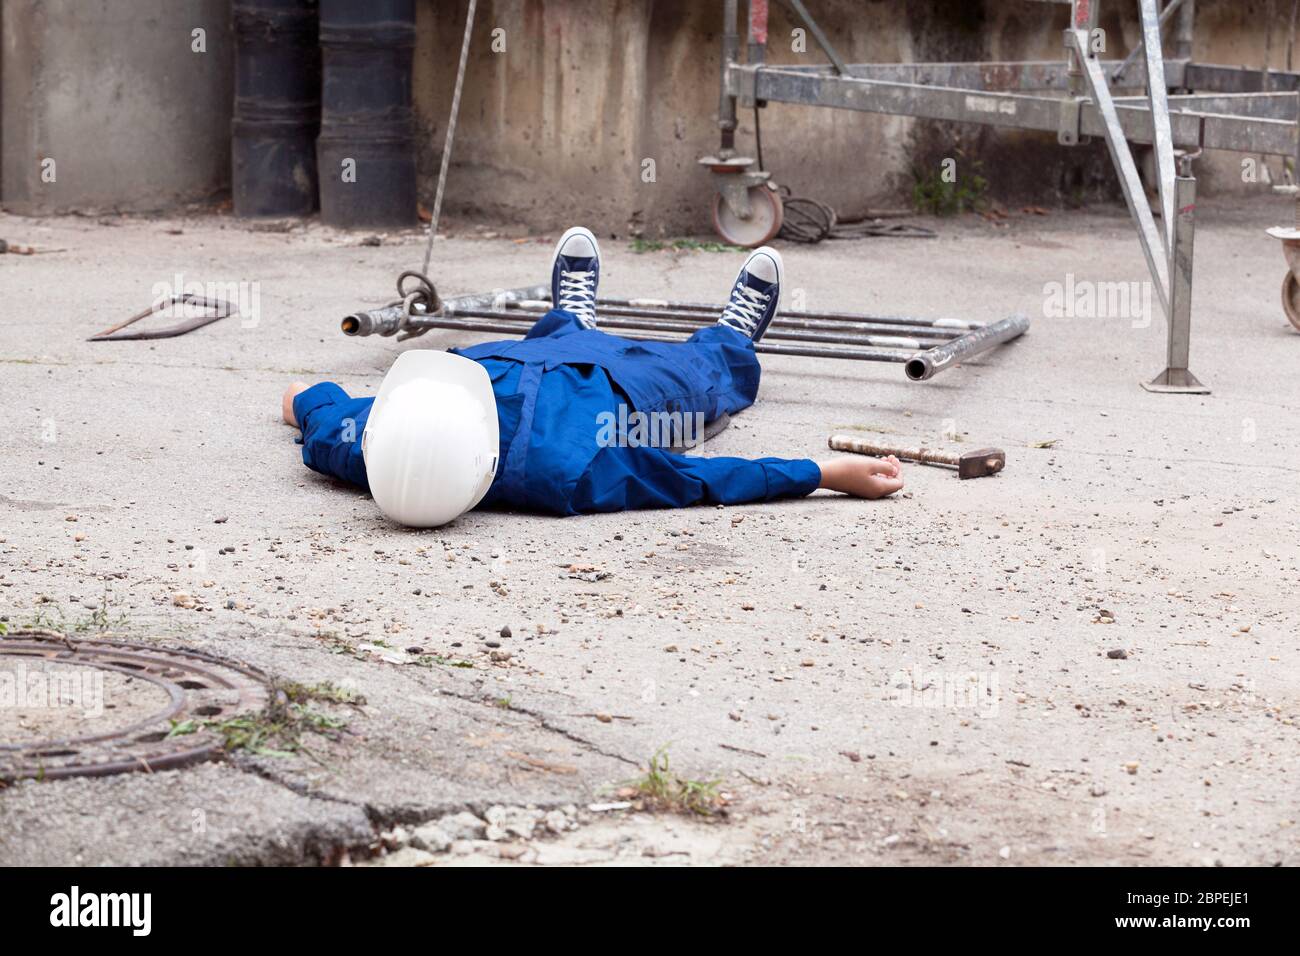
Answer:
[(424, 297)]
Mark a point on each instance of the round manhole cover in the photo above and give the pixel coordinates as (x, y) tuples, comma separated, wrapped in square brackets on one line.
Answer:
[(72, 707)]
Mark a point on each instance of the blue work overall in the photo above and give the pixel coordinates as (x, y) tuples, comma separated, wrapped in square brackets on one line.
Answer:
[(554, 388)]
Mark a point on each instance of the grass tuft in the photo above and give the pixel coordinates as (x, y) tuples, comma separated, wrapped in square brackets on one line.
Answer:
[(937, 195), (661, 789), (279, 730), (683, 245)]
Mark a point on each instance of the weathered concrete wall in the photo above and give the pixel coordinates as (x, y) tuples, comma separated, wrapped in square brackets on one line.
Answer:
[(556, 128), (113, 93), (559, 125)]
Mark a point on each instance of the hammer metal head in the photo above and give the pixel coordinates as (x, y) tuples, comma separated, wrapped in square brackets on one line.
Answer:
[(978, 464)]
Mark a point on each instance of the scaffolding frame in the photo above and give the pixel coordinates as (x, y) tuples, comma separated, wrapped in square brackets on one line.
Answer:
[(1178, 106)]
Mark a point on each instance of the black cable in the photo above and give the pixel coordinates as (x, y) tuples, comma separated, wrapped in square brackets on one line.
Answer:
[(806, 220), (811, 221)]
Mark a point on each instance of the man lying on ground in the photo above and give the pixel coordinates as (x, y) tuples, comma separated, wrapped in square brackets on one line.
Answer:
[(542, 423)]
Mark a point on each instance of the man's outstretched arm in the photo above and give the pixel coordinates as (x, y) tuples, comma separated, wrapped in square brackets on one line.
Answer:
[(621, 478), (332, 424)]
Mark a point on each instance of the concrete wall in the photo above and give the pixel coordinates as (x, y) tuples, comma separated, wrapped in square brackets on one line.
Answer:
[(111, 90), (557, 128), (560, 125)]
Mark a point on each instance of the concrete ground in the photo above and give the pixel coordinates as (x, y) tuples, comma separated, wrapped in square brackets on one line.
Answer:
[(925, 679)]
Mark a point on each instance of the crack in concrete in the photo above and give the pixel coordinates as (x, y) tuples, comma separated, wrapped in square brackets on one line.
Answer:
[(479, 698), (545, 724)]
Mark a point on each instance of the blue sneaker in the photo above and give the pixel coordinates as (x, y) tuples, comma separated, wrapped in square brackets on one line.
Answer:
[(575, 272), (756, 294)]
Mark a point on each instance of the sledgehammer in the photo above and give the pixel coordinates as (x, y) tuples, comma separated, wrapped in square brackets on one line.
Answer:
[(970, 464)]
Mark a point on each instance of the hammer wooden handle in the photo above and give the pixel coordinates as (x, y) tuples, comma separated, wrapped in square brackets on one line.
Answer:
[(849, 443), (977, 463)]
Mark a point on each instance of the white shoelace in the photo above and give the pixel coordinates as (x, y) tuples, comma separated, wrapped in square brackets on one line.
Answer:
[(745, 309), (578, 294)]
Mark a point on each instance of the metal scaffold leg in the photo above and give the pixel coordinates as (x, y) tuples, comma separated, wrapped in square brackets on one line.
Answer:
[(1177, 377), (1168, 248)]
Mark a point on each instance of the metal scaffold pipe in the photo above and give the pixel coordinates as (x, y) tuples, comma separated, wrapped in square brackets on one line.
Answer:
[(929, 363), (925, 349), (943, 322), (665, 321)]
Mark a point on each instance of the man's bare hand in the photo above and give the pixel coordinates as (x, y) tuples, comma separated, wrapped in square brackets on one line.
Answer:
[(286, 402), (862, 477)]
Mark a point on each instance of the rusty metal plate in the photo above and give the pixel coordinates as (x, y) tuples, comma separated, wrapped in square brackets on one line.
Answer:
[(72, 707)]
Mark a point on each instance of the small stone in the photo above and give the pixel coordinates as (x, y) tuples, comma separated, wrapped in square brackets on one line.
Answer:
[(432, 838), (1005, 853), (514, 851), (1131, 767), (505, 631), (1098, 790), (500, 656), (1117, 654), (183, 599), (557, 821), (505, 823), (221, 520), (81, 536), (462, 826)]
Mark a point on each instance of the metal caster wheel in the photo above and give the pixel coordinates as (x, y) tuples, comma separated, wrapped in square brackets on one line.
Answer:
[(1291, 299), (766, 213)]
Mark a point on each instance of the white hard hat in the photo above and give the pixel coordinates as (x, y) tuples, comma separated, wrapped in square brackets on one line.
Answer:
[(431, 440)]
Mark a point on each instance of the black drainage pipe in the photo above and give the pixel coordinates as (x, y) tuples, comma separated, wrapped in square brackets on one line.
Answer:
[(277, 108), (366, 148)]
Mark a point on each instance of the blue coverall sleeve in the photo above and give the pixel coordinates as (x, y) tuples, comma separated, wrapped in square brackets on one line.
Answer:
[(332, 424), (644, 477)]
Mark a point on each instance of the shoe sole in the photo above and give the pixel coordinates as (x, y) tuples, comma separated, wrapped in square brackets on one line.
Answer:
[(780, 268), (569, 234)]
